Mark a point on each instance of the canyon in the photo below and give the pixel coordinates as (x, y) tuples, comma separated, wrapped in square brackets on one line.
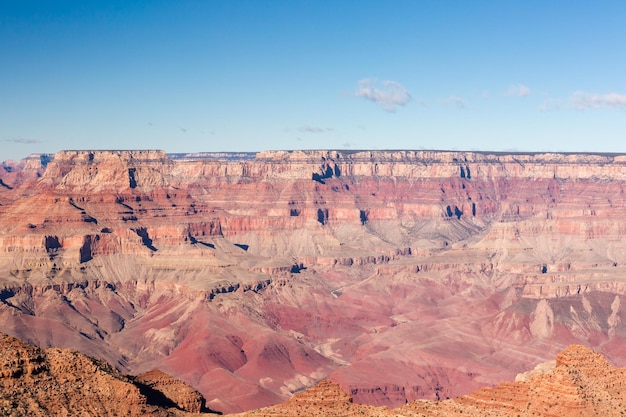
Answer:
[(396, 275)]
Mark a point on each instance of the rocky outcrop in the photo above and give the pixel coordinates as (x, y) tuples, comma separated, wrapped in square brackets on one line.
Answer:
[(36, 382), (185, 397), (581, 384), (324, 399)]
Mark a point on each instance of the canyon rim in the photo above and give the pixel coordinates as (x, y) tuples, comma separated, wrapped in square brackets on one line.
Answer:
[(398, 275)]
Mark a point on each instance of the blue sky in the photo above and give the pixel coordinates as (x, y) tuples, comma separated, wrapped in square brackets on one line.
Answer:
[(191, 76)]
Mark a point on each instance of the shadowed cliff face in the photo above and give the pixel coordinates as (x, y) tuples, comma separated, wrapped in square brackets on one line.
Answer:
[(399, 275)]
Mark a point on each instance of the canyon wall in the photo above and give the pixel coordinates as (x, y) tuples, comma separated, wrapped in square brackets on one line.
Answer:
[(398, 274)]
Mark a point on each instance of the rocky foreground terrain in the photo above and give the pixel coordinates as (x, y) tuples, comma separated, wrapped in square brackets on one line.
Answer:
[(579, 383), (61, 382), (36, 382), (396, 275)]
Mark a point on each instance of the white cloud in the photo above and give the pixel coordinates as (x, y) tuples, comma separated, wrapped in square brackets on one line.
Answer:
[(24, 141), (518, 90), (581, 101), (455, 101), (388, 94), (550, 104), (314, 129)]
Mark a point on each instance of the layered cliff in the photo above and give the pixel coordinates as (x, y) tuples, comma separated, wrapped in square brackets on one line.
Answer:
[(399, 275)]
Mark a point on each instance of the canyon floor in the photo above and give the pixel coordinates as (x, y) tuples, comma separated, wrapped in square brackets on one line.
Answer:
[(398, 276)]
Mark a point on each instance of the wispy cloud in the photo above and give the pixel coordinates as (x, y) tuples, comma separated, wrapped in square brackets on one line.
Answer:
[(518, 90), (551, 104), (23, 141), (387, 94), (314, 129), (455, 101), (581, 100)]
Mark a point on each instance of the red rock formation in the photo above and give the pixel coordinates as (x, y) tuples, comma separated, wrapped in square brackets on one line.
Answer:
[(582, 383), (400, 275), (36, 382), (181, 394)]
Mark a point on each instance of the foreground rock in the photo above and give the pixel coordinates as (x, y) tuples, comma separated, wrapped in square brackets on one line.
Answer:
[(61, 382), (398, 275), (173, 390), (581, 383)]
